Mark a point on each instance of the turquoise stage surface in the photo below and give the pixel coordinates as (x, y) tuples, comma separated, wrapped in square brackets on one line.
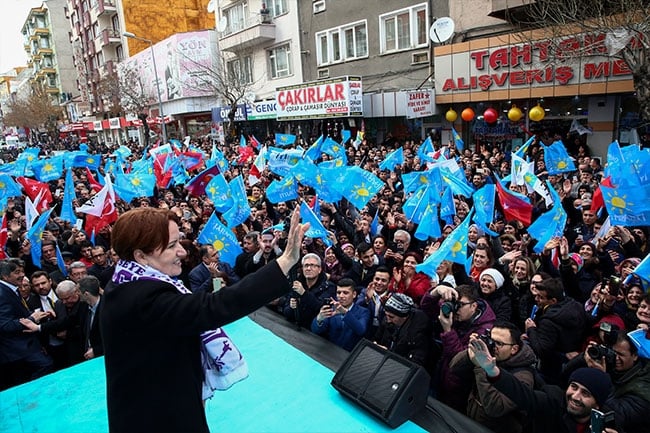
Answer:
[(287, 391)]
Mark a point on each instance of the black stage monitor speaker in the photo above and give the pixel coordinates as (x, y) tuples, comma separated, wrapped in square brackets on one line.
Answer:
[(389, 386)]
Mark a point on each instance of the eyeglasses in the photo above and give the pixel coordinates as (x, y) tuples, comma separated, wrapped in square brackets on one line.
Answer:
[(462, 304), (99, 255), (310, 265), (501, 343)]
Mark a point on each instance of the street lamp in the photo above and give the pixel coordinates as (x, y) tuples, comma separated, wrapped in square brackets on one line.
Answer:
[(155, 72)]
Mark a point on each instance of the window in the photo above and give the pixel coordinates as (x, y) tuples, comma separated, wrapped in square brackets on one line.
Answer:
[(319, 6), (347, 42), (119, 52), (280, 61), (403, 29), (277, 7), (241, 70), (236, 17)]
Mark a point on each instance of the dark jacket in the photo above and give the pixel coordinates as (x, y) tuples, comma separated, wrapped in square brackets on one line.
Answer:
[(152, 347), (546, 407), (310, 302), (560, 329), (501, 304), (412, 340), (488, 406), (631, 399)]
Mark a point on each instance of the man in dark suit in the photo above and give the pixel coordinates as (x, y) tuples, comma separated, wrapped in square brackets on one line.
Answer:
[(250, 246), (22, 357), (201, 277), (46, 301), (89, 288)]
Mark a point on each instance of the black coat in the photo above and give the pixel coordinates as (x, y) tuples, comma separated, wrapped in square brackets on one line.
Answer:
[(152, 347)]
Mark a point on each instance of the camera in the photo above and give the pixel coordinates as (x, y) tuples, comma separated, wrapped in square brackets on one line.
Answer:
[(614, 284), (487, 339), (449, 307), (600, 351), (601, 420)]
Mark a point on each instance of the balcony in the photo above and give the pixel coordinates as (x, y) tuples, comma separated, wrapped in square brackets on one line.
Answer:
[(108, 68), (110, 37), (106, 7), (41, 31), (250, 33), (86, 19), (51, 89), (510, 10), (43, 50)]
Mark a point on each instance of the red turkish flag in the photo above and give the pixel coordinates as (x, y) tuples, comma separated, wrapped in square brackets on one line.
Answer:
[(100, 209), (597, 202), (514, 208), (94, 185), (34, 189)]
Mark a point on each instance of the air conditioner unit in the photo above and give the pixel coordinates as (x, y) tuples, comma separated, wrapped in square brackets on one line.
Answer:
[(421, 57), (323, 73), (319, 6)]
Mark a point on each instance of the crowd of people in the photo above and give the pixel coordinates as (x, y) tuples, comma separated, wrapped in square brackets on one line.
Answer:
[(517, 340)]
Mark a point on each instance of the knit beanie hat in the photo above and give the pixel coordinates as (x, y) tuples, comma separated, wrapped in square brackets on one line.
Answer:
[(577, 258), (596, 381), (399, 304), (496, 276)]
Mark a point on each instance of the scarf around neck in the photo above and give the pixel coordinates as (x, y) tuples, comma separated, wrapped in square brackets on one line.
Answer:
[(223, 364)]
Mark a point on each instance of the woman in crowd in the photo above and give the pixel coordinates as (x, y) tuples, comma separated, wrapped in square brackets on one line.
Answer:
[(406, 280), (491, 285)]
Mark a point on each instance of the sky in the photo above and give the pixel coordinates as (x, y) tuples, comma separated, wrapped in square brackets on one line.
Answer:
[(12, 17)]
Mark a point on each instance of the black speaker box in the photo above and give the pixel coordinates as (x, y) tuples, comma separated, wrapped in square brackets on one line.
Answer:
[(389, 386)]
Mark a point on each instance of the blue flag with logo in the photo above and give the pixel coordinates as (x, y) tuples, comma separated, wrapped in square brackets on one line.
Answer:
[(484, 207), (557, 159), (316, 228), (48, 169), (425, 149), (221, 238), (284, 139), (453, 248), (35, 236), (218, 191), (359, 186), (314, 151), (284, 189), (550, 224), (9, 187), (240, 209), (392, 159), (458, 141), (429, 226)]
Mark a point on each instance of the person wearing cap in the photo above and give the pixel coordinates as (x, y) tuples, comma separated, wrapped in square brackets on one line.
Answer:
[(550, 408), (405, 330), (577, 283), (491, 283)]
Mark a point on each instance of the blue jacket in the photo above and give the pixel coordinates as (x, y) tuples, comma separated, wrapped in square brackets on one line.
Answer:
[(344, 330)]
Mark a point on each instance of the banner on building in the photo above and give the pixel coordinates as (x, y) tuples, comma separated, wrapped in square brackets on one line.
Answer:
[(336, 97), (420, 103)]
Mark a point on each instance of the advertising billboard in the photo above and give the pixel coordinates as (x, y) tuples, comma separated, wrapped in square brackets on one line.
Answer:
[(336, 97)]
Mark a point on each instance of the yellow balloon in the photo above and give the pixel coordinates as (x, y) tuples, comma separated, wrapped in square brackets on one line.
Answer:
[(451, 115), (515, 114), (536, 113)]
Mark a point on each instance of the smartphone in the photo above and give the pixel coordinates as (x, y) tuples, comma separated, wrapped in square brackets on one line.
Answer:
[(79, 224), (217, 284), (600, 420)]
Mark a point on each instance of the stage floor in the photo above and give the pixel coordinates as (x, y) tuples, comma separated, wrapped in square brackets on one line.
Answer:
[(287, 391)]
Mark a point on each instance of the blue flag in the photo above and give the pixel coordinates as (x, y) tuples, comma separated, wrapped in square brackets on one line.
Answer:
[(415, 206), (425, 149), (550, 224), (218, 191), (458, 185), (9, 187), (523, 149), (458, 141), (643, 271), (135, 184), (345, 136), (333, 148), (453, 248), (557, 160), (35, 236), (240, 209), (484, 207), (242, 141), (429, 226), (392, 159), (221, 238), (60, 262), (374, 225), (86, 160), (314, 151), (48, 169), (628, 204), (284, 139), (316, 228), (69, 195), (360, 186), (282, 190), (447, 206)]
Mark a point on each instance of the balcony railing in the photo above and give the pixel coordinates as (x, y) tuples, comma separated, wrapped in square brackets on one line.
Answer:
[(251, 32), (110, 36)]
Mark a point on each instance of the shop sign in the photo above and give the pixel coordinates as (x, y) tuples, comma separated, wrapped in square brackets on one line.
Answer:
[(97, 125), (419, 103), (585, 60), (261, 110), (220, 114), (114, 123), (337, 97)]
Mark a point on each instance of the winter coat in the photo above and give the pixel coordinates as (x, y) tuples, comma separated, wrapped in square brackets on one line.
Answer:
[(310, 302), (490, 407), (451, 389), (412, 340), (631, 399), (560, 329), (501, 304)]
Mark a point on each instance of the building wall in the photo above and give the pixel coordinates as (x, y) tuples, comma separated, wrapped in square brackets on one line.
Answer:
[(59, 28)]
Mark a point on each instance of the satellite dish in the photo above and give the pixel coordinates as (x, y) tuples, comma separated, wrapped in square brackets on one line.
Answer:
[(212, 6), (442, 30), (222, 24)]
